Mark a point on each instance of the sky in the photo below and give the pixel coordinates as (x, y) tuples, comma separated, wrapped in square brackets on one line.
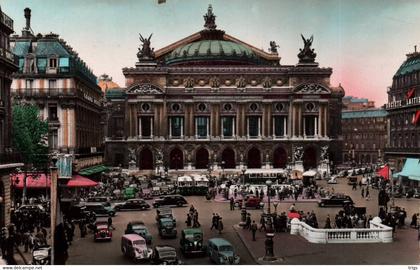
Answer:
[(364, 41)]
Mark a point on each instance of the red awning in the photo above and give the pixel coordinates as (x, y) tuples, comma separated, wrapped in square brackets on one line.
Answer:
[(41, 181), (80, 181), (32, 181), (384, 172)]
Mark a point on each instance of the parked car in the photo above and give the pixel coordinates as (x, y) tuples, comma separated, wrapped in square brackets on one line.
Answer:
[(132, 204), (166, 228), (102, 231), (177, 200), (251, 201), (335, 200), (79, 212), (221, 251), (138, 227), (165, 255), (100, 210), (165, 212), (134, 247), (129, 193), (192, 242), (106, 201)]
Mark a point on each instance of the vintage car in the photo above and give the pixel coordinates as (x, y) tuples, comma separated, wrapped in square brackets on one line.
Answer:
[(132, 204), (102, 231), (166, 228), (106, 201), (100, 210), (177, 200), (192, 242), (221, 251), (134, 247), (336, 200), (165, 213), (138, 227), (165, 255), (251, 201)]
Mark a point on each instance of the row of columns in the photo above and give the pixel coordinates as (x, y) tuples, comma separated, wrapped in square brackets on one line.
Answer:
[(294, 125)]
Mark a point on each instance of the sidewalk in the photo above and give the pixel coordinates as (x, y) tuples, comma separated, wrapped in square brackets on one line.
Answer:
[(293, 250)]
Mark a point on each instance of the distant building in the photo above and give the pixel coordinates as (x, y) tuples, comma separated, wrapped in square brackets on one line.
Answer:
[(8, 65), (105, 83), (353, 103), (52, 75), (404, 114), (364, 136)]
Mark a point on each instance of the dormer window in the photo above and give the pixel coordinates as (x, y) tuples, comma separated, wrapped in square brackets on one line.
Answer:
[(53, 63)]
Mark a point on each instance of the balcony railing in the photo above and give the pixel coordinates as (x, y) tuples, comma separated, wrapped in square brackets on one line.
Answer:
[(6, 20), (376, 233), (44, 92), (8, 55)]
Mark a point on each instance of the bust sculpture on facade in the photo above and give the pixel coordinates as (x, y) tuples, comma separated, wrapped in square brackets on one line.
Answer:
[(298, 153), (307, 54), (132, 154), (145, 52), (241, 82), (159, 157)]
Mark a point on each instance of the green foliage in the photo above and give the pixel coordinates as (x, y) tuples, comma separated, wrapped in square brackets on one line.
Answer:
[(30, 136)]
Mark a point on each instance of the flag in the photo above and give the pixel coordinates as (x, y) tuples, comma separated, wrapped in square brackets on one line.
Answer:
[(384, 172), (410, 93), (416, 118)]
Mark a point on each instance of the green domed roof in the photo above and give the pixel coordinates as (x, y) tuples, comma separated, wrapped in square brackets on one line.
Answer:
[(216, 51), (412, 64)]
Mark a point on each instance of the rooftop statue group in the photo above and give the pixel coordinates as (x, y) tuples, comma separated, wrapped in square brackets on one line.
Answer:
[(145, 52), (307, 54)]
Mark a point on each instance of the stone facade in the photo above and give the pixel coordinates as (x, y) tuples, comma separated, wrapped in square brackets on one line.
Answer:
[(365, 136), (403, 109), (211, 99)]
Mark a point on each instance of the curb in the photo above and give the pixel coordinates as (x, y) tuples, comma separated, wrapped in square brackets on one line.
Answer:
[(245, 244)]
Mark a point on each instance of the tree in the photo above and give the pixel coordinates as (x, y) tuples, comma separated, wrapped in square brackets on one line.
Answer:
[(30, 136)]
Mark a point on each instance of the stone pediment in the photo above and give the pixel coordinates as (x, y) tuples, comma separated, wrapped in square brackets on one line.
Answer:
[(311, 88), (145, 89)]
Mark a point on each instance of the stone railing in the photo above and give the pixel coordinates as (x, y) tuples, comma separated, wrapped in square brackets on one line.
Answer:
[(376, 233)]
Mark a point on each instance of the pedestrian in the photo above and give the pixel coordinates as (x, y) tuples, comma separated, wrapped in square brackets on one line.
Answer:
[(232, 204), (10, 246), (110, 227), (413, 223), (248, 221), (262, 223), (354, 186), (188, 221), (3, 238), (367, 195), (363, 192), (220, 225), (360, 184), (213, 222), (254, 228), (328, 222)]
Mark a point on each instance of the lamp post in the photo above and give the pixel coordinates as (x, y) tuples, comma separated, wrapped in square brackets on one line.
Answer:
[(223, 169), (243, 175), (391, 178), (269, 183)]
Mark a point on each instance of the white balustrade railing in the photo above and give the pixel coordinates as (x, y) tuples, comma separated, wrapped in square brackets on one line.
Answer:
[(376, 233)]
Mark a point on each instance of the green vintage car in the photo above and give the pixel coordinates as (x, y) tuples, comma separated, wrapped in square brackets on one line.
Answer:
[(192, 242)]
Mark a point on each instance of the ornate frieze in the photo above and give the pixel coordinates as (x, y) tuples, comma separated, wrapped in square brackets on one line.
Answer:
[(311, 88), (145, 89)]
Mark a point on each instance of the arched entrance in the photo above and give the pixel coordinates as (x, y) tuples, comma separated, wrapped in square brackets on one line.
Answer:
[(254, 158), (176, 159), (279, 158), (309, 158), (201, 158), (228, 156), (146, 159)]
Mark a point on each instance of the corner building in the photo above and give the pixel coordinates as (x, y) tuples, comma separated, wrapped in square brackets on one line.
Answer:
[(212, 99)]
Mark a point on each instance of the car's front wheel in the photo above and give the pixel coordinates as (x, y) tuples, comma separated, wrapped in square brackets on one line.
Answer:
[(322, 204)]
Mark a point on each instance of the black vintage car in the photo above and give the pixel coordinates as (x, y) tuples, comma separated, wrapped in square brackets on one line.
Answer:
[(192, 242), (132, 204), (166, 228), (165, 255), (336, 200), (177, 200), (164, 212)]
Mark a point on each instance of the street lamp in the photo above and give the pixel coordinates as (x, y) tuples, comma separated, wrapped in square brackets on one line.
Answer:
[(269, 183), (223, 169), (243, 175)]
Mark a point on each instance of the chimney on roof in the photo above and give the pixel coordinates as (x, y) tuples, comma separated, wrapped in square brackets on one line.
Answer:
[(27, 30)]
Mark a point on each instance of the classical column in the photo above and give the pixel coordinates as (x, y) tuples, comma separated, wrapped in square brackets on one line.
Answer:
[(208, 128), (320, 127), (316, 126), (186, 117), (182, 127), (300, 121), (170, 128), (259, 126), (326, 120), (191, 120), (273, 124), (290, 117), (264, 118), (195, 126), (139, 129), (284, 126), (151, 127), (233, 127), (247, 127), (304, 128)]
